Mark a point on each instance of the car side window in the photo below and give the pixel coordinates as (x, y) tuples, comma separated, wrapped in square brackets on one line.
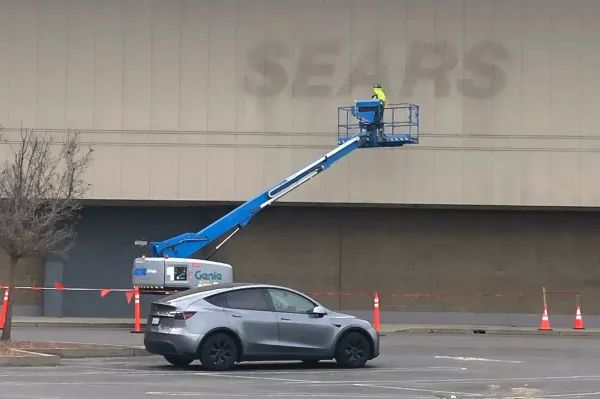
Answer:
[(249, 299), (290, 302), (219, 300)]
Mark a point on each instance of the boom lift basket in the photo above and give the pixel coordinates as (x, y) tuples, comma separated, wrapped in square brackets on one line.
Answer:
[(391, 126)]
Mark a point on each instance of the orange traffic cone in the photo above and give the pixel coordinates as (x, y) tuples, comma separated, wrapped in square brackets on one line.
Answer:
[(4, 308), (578, 323), (545, 322)]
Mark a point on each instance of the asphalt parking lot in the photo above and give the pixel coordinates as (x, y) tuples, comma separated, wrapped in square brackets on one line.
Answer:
[(411, 366)]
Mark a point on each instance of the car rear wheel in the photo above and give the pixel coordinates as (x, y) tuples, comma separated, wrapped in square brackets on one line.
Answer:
[(219, 352), (178, 361), (352, 350)]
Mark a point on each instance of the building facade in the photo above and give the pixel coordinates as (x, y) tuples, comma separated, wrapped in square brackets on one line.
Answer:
[(198, 102)]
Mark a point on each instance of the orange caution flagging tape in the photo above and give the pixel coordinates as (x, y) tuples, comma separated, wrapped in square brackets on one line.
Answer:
[(129, 295)]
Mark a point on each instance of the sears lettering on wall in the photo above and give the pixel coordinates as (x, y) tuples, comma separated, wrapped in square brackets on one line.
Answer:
[(315, 65)]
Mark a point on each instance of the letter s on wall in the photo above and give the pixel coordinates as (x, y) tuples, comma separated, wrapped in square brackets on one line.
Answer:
[(261, 60), (474, 63)]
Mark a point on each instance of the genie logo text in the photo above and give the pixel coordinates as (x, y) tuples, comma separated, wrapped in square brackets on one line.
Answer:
[(200, 275), (140, 271)]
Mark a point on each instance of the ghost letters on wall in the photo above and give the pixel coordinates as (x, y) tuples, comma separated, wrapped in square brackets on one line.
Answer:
[(315, 65)]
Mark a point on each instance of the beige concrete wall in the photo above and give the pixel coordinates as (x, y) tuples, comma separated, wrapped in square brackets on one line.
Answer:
[(215, 100)]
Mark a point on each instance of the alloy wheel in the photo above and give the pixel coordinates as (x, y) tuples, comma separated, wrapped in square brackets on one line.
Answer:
[(220, 352), (355, 350)]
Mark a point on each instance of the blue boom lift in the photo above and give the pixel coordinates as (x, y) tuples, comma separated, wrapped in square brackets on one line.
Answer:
[(361, 125)]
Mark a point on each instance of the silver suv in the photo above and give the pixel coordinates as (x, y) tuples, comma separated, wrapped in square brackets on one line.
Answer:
[(227, 323)]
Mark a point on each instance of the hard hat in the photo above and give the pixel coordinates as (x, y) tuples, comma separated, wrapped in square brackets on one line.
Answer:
[(377, 86)]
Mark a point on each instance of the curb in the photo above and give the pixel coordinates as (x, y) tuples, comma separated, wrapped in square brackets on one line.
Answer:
[(79, 353), (109, 325), (52, 356), (492, 331), (30, 359)]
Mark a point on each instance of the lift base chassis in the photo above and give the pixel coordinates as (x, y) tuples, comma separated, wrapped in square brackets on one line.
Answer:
[(178, 274)]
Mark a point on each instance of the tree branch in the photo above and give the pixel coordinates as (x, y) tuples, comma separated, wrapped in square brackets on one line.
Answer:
[(40, 193)]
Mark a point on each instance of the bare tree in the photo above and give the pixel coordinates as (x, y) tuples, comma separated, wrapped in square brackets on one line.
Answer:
[(41, 185)]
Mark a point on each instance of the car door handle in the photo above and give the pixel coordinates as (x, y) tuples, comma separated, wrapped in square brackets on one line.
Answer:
[(285, 318), (236, 315)]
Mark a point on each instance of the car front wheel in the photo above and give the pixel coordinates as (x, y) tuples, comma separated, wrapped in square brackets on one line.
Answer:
[(352, 350), (219, 352), (178, 361)]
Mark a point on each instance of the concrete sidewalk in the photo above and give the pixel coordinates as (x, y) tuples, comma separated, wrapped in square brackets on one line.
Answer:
[(126, 323), (485, 330), (75, 322)]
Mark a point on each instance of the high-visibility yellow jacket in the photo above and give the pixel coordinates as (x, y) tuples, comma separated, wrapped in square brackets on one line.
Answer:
[(379, 94)]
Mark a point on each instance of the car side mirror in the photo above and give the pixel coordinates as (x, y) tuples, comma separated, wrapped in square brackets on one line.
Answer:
[(319, 311)]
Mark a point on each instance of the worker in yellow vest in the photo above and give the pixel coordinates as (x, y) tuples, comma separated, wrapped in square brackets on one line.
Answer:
[(380, 95)]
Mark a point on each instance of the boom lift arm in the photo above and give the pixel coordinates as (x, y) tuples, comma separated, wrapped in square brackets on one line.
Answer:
[(184, 245), (370, 130)]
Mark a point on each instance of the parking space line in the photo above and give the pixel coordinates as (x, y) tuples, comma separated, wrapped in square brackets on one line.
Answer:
[(331, 371), (250, 377), (566, 395), (433, 391), (110, 368), (285, 380), (66, 374), (34, 396), (90, 373), (282, 395), (348, 383), (109, 371), (71, 383), (507, 379), (477, 359), (354, 371)]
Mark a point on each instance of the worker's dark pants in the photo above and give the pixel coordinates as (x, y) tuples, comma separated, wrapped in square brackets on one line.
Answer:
[(380, 119)]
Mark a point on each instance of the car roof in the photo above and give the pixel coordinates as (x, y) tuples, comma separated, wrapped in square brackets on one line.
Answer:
[(208, 290)]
